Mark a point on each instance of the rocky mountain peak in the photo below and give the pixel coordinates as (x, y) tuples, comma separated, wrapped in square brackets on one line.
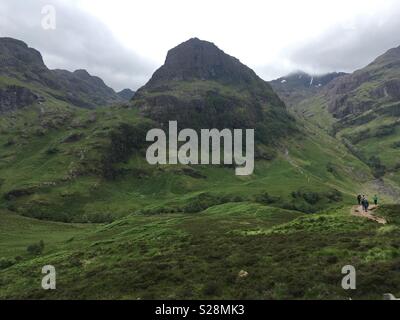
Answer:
[(126, 94), (82, 73), (196, 59), (200, 86)]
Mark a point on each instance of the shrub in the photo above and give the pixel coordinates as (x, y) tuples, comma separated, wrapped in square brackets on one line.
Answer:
[(124, 141), (206, 200), (334, 195), (6, 263), (99, 217), (75, 261), (311, 197), (359, 136), (310, 201), (36, 248), (52, 150), (330, 168), (211, 289), (386, 130), (265, 198), (396, 145), (10, 142)]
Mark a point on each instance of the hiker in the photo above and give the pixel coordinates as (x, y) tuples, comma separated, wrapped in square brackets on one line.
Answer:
[(376, 200), (359, 199), (365, 204)]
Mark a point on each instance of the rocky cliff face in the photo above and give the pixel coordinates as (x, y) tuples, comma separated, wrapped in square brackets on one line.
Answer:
[(367, 89), (201, 60), (16, 58), (200, 86), (85, 90)]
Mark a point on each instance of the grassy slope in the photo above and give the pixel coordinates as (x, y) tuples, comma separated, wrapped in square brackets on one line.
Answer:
[(378, 137), (287, 255), (159, 254), (195, 255), (17, 233), (67, 187)]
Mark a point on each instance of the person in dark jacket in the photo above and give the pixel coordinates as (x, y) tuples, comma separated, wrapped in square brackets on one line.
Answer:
[(359, 199), (365, 204)]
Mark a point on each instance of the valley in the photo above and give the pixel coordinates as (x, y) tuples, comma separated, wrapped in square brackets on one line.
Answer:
[(75, 183)]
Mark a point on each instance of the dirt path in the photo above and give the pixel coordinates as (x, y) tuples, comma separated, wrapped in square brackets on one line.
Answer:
[(358, 212)]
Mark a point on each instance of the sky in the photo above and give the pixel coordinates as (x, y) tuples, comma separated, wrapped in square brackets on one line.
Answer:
[(125, 41)]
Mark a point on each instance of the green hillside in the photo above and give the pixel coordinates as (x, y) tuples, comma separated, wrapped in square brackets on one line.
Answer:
[(89, 166), (231, 251), (362, 109), (76, 192)]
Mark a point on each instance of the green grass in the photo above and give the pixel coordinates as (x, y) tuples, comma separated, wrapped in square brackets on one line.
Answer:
[(199, 256), (17, 233)]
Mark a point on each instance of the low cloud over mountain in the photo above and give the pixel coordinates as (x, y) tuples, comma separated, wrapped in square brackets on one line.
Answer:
[(79, 41)]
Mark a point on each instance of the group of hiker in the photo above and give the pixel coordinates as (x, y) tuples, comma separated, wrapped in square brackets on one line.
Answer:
[(363, 201)]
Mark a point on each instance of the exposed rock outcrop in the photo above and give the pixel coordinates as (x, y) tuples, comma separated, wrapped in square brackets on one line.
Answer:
[(15, 97)]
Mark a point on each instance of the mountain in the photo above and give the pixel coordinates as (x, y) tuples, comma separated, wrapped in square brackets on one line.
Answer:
[(362, 109), (373, 88), (83, 89), (25, 79), (297, 86), (64, 154), (200, 86), (126, 94)]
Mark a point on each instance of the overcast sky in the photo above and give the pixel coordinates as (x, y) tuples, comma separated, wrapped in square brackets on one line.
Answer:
[(124, 41)]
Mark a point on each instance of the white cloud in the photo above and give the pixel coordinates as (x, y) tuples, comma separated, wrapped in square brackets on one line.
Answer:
[(123, 41), (80, 41)]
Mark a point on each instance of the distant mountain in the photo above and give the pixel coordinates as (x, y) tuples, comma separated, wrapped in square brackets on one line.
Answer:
[(84, 90), (126, 94), (363, 109), (200, 86), (33, 82), (299, 85)]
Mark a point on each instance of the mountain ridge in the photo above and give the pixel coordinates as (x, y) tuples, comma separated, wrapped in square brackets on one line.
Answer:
[(350, 96), (299, 85), (362, 109), (25, 66)]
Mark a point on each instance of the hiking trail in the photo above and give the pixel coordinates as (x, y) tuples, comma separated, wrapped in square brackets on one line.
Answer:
[(358, 212)]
